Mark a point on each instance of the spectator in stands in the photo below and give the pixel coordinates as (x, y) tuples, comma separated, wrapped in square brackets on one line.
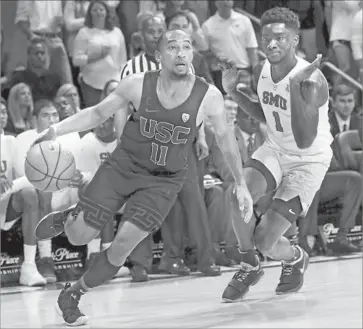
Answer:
[(64, 109), (45, 19), (200, 8), (99, 51), (42, 82), (230, 34), (180, 21), (20, 106), (154, 8), (70, 93), (74, 18), (341, 116), (46, 115), (339, 16), (196, 33), (357, 41)]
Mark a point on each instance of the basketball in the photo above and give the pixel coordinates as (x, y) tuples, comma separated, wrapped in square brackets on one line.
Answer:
[(49, 166)]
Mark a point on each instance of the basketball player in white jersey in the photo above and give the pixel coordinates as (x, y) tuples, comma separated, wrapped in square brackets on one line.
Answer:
[(293, 103)]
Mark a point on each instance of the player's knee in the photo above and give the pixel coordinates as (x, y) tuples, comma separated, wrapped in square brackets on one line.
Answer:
[(290, 210), (77, 231), (29, 198)]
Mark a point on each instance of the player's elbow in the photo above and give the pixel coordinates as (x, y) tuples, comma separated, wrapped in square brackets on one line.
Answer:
[(304, 141)]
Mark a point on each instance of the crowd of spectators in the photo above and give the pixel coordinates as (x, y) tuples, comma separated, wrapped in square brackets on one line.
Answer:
[(78, 51)]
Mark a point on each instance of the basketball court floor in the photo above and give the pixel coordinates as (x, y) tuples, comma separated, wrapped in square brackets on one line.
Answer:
[(330, 298)]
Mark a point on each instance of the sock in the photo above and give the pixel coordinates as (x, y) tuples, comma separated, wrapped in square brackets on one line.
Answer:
[(100, 271), (93, 247), (106, 245), (45, 248), (250, 257), (29, 253)]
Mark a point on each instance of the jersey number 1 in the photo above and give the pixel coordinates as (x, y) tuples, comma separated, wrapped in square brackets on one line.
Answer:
[(161, 161), (277, 121)]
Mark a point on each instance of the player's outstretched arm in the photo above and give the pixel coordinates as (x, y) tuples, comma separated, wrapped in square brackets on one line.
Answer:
[(230, 80), (91, 117), (213, 110), (308, 92)]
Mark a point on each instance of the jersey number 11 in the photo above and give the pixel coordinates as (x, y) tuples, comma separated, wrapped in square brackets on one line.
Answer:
[(161, 160)]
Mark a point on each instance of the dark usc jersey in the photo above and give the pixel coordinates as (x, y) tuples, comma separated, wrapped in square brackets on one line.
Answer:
[(159, 139)]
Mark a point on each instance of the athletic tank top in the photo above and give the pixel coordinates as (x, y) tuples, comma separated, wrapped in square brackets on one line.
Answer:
[(159, 139), (276, 105)]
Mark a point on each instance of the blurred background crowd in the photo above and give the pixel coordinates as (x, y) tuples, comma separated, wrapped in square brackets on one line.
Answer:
[(60, 56)]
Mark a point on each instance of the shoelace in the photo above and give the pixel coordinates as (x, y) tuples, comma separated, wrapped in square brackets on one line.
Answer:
[(242, 274), (286, 269)]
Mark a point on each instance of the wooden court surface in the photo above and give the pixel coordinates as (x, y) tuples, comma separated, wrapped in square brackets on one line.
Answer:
[(330, 298)]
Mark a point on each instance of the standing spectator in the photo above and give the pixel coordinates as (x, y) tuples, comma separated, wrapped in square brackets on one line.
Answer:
[(45, 19), (339, 16), (74, 18), (112, 6), (180, 21), (42, 82), (71, 94), (20, 106), (200, 8), (357, 41), (230, 34), (341, 115), (99, 51)]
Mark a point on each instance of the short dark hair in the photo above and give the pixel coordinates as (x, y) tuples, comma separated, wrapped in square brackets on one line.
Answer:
[(342, 90), (281, 15), (88, 19), (176, 14), (41, 104)]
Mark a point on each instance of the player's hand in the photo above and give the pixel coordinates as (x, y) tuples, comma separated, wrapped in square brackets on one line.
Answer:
[(77, 180), (5, 185), (305, 73), (201, 148), (245, 202), (47, 135), (231, 77)]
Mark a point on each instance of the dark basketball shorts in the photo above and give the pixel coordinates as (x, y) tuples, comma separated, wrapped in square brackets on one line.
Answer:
[(149, 198)]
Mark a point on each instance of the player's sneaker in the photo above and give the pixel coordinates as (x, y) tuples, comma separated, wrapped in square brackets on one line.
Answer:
[(240, 284), (30, 276), (52, 224), (175, 266), (67, 307), (292, 275)]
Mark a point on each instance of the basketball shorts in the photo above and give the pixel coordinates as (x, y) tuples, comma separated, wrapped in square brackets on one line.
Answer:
[(149, 197), (294, 175)]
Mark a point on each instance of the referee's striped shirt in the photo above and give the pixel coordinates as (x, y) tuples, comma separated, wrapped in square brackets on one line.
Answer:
[(141, 63)]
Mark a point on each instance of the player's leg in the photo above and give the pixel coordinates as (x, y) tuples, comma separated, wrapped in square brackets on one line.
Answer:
[(144, 213), (26, 203), (262, 174), (292, 199), (102, 198)]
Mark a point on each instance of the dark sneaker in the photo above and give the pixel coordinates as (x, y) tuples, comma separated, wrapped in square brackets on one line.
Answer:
[(67, 306), (46, 269), (344, 246), (175, 266), (211, 270), (292, 275), (52, 225), (139, 274), (240, 284)]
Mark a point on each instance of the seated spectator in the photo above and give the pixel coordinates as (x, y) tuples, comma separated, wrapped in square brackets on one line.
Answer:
[(39, 202), (70, 93), (339, 15), (180, 21), (99, 52), (44, 19), (357, 41), (230, 34), (20, 107), (341, 115), (42, 82), (199, 40)]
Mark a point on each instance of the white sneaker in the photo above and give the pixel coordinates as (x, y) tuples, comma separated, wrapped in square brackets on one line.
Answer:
[(29, 275), (122, 272)]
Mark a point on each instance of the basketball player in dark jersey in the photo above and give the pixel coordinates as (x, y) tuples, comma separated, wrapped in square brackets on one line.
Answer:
[(147, 168)]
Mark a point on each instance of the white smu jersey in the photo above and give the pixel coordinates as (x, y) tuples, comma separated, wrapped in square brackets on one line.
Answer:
[(276, 105)]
